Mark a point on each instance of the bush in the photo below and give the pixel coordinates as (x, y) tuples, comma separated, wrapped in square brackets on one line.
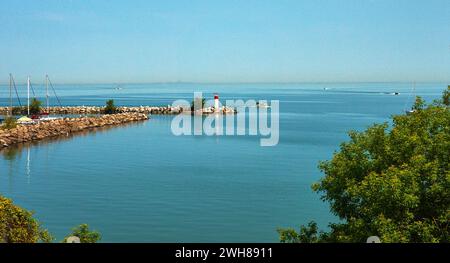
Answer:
[(17, 225), (393, 183), (86, 236), (198, 104), (35, 106), (110, 108), (9, 123)]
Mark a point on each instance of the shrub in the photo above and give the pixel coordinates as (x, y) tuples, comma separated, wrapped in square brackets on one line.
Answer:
[(17, 225), (110, 108), (9, 123), (86, 236), (35, 106)]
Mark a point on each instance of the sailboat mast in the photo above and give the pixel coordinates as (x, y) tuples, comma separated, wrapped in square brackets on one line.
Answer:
[(10, 94), (28, 95), (46, 92)]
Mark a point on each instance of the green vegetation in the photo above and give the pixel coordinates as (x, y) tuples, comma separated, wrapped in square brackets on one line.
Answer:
[(17, 225), (393, 183), (110, 108), (9, 123), (35, 106), (86, 236), (198, 104)]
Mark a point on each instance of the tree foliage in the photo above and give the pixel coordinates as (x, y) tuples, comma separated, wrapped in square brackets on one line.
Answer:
[(110, 108), (9, 123), (389, 182), (35, 106), (198, 103), (86, 236), (17, 225)]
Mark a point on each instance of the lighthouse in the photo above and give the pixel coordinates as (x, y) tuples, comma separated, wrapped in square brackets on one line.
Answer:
[(216, 102)]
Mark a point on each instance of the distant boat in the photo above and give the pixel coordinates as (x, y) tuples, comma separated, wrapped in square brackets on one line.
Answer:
[(411, 111)]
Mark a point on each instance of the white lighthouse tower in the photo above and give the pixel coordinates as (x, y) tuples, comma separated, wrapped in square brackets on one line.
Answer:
[(216, 102)]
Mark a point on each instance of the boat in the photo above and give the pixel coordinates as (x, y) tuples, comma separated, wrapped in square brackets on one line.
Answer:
[(412, 110), (26, 119), (45, 116)]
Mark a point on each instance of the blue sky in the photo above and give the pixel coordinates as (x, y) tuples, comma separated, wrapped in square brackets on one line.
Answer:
[(225, 41)]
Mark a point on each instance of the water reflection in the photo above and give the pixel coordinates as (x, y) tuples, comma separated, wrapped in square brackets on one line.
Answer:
[(13, 152), (18, 159)]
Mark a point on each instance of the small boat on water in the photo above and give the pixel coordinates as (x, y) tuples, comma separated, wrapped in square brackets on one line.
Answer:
[(412, 110)]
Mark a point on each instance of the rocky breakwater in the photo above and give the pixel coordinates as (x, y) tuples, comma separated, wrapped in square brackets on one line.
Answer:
[(163, 110), (65, 126)]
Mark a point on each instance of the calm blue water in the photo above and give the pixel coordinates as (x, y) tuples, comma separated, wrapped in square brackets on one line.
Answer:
[(140, 183)]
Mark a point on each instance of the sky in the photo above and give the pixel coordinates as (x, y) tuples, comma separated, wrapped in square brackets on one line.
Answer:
[(99, 41)]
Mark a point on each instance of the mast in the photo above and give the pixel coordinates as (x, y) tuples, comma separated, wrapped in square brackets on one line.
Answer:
[(10, 95), (46, 92), (28, 95)]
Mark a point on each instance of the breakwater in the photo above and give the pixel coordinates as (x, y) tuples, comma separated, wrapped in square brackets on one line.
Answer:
[(163, 110), (100, 110), (64, 126)]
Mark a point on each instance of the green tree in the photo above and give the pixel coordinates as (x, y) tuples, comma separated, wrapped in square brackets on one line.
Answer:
[(110, 108), (389, 182), (35, 106), (9, 123), (86, 236), (307, 234), (198, 103), (446, 96), (17, 225)]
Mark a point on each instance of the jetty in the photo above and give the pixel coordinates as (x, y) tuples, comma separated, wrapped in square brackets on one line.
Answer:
[(162, 110), (63, 127)]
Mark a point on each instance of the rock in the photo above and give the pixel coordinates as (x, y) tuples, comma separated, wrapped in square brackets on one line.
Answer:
[(39, 131)]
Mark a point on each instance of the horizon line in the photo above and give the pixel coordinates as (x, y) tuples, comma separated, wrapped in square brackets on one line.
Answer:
[(232, 82)]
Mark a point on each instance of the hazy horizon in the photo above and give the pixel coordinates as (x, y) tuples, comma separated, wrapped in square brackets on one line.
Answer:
[(99, 42), (23, 83)]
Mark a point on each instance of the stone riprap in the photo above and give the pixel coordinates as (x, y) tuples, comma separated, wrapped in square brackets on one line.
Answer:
[(64, 126), (163, 110)]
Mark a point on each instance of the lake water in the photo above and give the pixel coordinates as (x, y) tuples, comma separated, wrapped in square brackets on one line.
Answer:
[(140, 183)]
